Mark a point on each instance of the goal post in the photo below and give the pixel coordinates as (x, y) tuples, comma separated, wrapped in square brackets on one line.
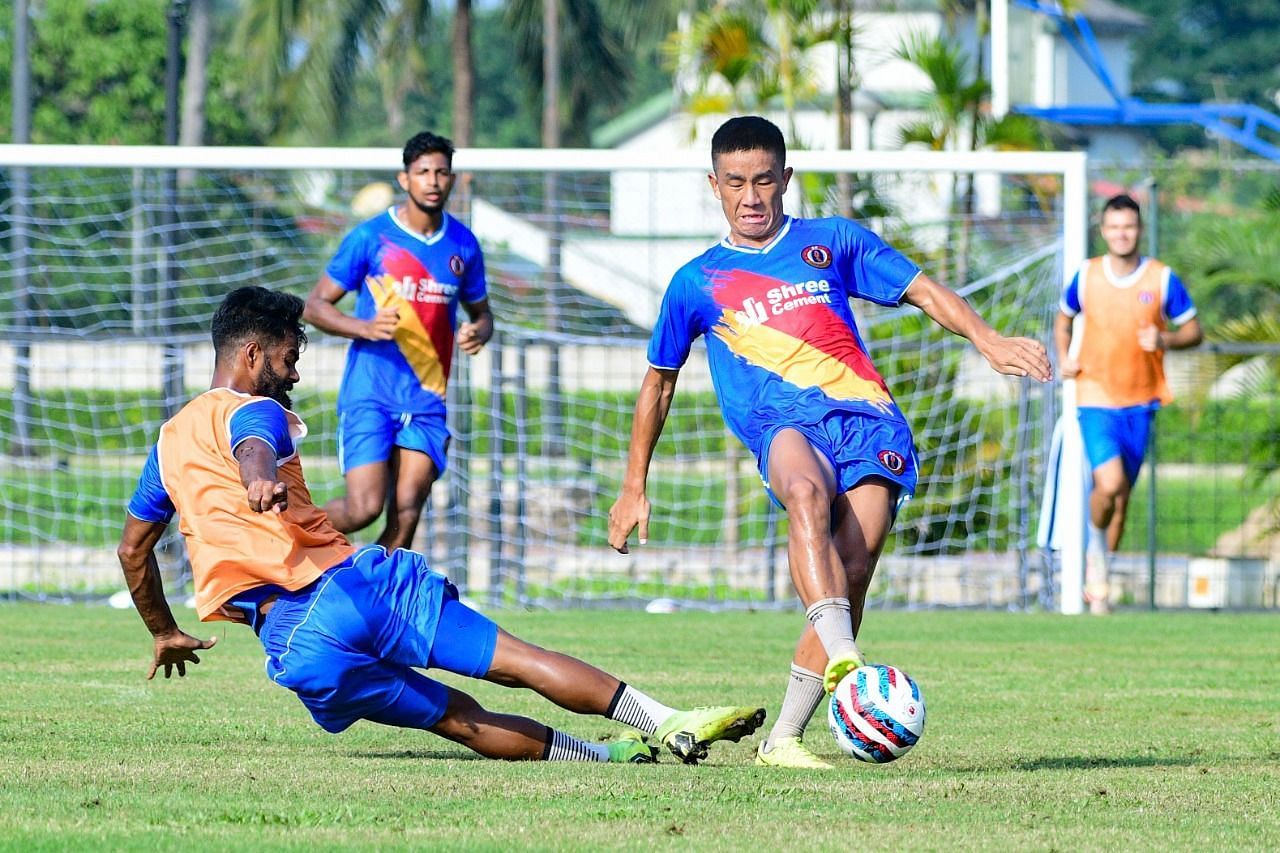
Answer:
[(99, 331)]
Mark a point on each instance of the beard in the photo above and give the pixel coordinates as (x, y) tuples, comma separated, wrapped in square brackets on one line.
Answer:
[(275, 386), (429, 209)]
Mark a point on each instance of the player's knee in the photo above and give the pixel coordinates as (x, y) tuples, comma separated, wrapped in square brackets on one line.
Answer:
[(463, 719), (806, 497), (363, 508), (1111, 487)]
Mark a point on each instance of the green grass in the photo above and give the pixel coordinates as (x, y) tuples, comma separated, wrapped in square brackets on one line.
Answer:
[(1142, 731)]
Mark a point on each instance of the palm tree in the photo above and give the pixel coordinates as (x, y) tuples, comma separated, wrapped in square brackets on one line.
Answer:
[(745, 54), (464, 75), (595, 72), (302, 57), (955, 118)]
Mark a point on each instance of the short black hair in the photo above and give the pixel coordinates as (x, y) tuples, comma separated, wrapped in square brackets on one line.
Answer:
[(1124, 201), (255, 312), (427, 143), (749, 133)]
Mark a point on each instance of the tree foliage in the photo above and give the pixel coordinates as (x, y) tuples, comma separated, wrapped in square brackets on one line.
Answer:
[(1196, 51), (97, 75)]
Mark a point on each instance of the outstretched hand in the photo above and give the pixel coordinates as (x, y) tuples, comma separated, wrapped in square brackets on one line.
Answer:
[(176, 649), (627, 513), (1018, 357)]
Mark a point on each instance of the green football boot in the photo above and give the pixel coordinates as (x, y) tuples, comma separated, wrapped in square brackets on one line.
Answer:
[(790, 752), (632, 748), (838, 667), (688, 733)]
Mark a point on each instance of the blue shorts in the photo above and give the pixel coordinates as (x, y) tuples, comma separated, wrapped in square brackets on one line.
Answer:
[(858, 447), (1109, 433), (347, 643), (366, 433)]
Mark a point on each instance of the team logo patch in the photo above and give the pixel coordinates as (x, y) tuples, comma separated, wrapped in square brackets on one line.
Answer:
[(893, 461), (817, 256), (1146, 297), (456, 265)]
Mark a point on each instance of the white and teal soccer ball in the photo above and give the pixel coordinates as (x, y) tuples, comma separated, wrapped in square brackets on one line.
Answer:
[(876, 713)]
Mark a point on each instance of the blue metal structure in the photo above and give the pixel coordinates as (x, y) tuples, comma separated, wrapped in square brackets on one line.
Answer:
[(1239, 123)]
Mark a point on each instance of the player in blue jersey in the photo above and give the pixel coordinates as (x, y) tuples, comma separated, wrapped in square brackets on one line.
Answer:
[(410, 267), (797, 387)]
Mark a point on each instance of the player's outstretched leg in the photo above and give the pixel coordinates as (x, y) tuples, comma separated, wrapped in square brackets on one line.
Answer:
[(456, 716), (688, 734), (577, 686)]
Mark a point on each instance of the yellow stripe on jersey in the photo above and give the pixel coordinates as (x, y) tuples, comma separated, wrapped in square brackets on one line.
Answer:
[(410, 335), (799, 363)]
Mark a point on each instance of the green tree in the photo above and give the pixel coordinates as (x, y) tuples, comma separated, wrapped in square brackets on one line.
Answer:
[(1205, 51), (604, 44), (97, 76), (955, 118), (745, 55), (303, 59)]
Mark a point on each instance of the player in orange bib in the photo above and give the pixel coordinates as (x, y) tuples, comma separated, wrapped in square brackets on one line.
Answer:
[(347, 630), (1132, 309)]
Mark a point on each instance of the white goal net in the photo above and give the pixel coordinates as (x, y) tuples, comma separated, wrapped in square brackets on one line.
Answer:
[(115, 258)]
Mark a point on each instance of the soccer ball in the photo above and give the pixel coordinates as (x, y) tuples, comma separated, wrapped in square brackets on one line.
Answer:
[(876, 713)]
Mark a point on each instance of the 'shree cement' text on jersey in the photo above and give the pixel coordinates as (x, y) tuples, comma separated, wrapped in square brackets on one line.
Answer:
[(193, 470), (424, 278), (1115, 372), (782, 342)]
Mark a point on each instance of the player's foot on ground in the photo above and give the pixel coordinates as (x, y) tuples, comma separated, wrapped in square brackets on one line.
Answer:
[(688, 733), (790, 752), (838, 667), (1097, 595), (632, 748)]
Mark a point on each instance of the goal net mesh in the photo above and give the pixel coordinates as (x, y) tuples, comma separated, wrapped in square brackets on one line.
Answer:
[(109, 277)]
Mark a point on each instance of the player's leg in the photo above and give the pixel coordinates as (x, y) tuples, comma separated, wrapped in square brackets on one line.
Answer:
[(456, 716), (578, 686), (803, 480), (327, 642), (412, 476), (861, 521), (1135, 433), (417, 461), (1110, 489), (365, 435), (1103, 431), (362, 504)]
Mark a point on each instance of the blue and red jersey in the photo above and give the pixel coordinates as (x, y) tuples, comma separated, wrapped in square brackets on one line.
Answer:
[(782, 342), (386, 264)]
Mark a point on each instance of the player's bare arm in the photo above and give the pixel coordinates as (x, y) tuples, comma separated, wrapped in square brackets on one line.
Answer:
[(474, 334), (631, 509), (137, 554), (321, 310), (1011, 356), (1188, 335), (1062, 331), (263, 489)]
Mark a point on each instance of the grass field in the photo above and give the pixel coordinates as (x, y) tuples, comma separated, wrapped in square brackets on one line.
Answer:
[(1142, 731)]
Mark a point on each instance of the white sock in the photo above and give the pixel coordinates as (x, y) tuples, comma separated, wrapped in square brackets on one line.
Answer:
[(638, 710), (1097, 543), (831, 618), (563, 747), (804, 693)]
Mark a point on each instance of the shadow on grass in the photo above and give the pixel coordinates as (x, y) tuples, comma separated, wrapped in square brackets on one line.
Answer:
[(1085, 762), (426, 754)]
